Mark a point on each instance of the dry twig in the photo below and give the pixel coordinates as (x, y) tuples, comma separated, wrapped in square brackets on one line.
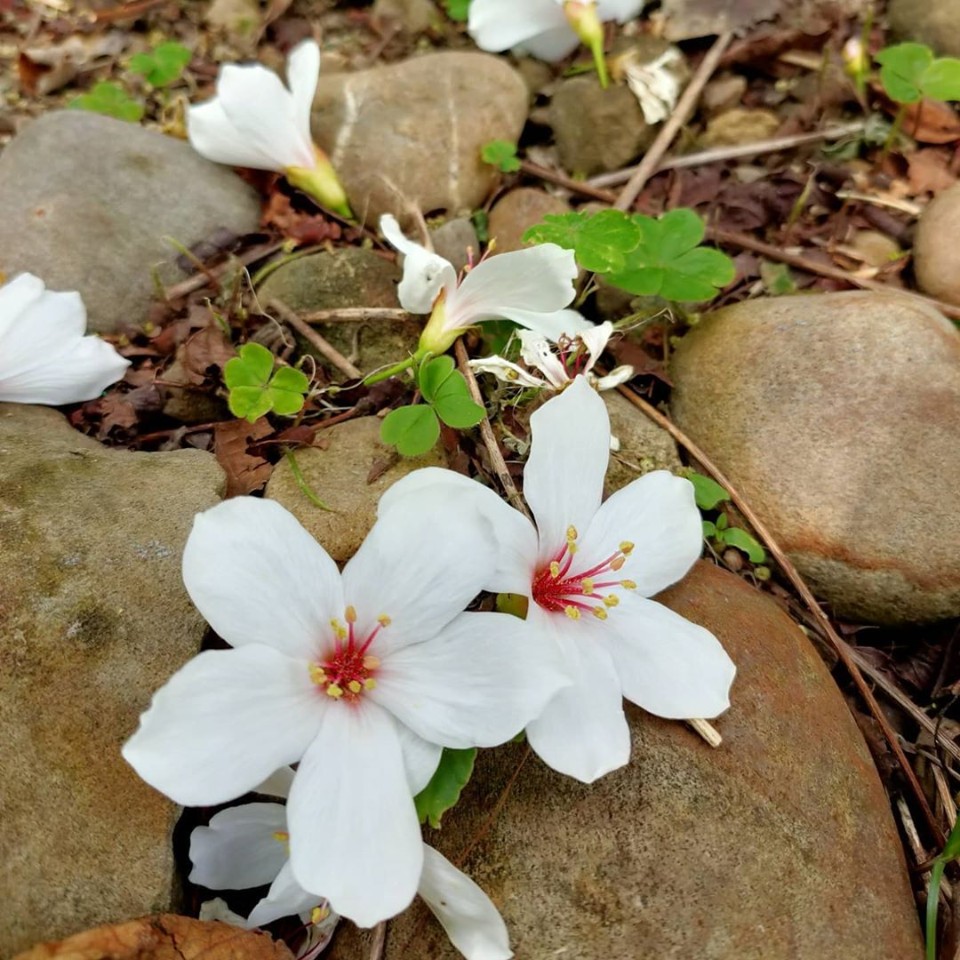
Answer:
[(357, 315), (314, 339)]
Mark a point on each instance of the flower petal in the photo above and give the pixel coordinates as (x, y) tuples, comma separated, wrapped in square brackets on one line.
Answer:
[(497, 25), (420, 758), (303, 74), (595, 339), (516, 538), (238, 849), (507, 372), (353, 826), (258, 577), (563, 479), (472, 922), (286, 898), (515, 284), (425, 274), (17, 295), (552, 45), (669, 666), (619, 10), (553, 326), (658, 514), (420, 567), (582, 732), (537, 351), (215, 136), (477, 684), (223, 722)]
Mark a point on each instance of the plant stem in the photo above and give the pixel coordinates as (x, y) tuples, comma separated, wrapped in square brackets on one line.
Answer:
[(379, 375)]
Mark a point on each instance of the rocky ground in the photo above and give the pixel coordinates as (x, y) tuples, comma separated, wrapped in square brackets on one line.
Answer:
[(823, 383)]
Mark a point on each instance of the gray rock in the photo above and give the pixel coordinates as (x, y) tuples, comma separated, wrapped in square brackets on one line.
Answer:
[(643, 445), (351, 277), (597, 130), (518, 210), (86, 201), (837, 416), (675, 854), (454, 241), (936, 24), (93, 618), (936, 256), (411, 133), (414, 16), (739, 125), (340, 475)]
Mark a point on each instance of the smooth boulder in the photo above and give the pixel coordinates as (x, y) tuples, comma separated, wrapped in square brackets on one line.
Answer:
[(936, 255)]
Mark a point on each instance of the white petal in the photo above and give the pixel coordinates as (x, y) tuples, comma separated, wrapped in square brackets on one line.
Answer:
[(238, 849), (669, 666), (553, 326), (217, 909), (497, 25), (613, 380), (658, 514), (286, 898), (16, 296), (595, 339), (552, 45), (537, 351), (419, 566), (563, 479), (516, 538), (353, 825), (619, 10), (515, 284), (475, 685), (420, 758), (263, 111), (507, 372), (215, 136), (223, 722), (277, 784), (425, 274), (472, 922), (303, 73), (582, 732), (258, 577)]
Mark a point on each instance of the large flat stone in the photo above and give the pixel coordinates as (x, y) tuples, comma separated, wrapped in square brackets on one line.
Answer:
[(86, 202), (779, 845), (93, 618)]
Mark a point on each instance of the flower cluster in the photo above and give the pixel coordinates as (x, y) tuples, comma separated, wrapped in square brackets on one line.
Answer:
[(363, 677)]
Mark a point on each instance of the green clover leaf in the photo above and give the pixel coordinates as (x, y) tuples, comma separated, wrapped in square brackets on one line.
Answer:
[(902, 68), (941, 80), (445, 786), (446, 390), (255, 390), (501, 154), (109, 99), (413, 430), (708, 493), (163, 65), (600, 242), (458, 10)]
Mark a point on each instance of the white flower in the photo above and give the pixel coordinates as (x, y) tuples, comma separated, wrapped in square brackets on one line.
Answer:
[(44, 355), (531, 287), (362, 677), (246, 846), (548, 29), (255, 121), (655, 85), (559, 363), (587, 570)]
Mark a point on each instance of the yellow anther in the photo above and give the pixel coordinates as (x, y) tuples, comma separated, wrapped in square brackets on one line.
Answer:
[(617, 563), (281, 836), (572, 612), (572, 532), (371, 663), (600, 613), (334, 691), (354, 686), (339, 629), (319, 914), (587, 584), (612, 600), (350, 614), (626, 548), (554, 569), (628, 584), (572, 547), (317, 674), (369, 683), (384, 620)]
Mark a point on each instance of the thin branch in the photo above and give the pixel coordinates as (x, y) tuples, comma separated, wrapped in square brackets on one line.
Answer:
[(312, 337), (842, 649), (378, 940), (357, 315), (681, 114), (486, 434), (199, 280)]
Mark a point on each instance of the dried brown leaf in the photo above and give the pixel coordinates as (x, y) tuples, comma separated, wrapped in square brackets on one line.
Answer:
[(209, 347), (929, 171), (245, 471)]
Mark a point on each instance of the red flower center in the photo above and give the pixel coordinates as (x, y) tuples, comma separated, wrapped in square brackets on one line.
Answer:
[(349, 670)]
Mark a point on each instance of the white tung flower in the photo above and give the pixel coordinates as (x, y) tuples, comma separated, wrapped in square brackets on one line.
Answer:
[(44, 355), (587, 569), (530, 287), (247, 846), (255, 121), (362, 677), (559, 363)]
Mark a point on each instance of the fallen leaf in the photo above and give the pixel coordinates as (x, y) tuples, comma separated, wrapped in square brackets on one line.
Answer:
[(209, 347), (43, 70), (245, 471), (305, 228), (163, 937), (932, 121), (929, 171)]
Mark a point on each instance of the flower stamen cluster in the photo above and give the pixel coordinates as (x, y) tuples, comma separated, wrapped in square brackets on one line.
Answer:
[(349, 670)]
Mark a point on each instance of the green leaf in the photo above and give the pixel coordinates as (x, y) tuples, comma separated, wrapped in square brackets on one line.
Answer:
[(445, 786), (252, 368), (249, 402), (697, 275), (446, 390), (941, 80), (433, 374), (600, 242), (902, 68), (285, 402), (291, 379), (459, 412), (951, 851), (163, 65), (109, 99), (413, 430), (709, 529), (708, 492), (735, 537), (254, 392), (458, 10), (501, 154), (680, 230)]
